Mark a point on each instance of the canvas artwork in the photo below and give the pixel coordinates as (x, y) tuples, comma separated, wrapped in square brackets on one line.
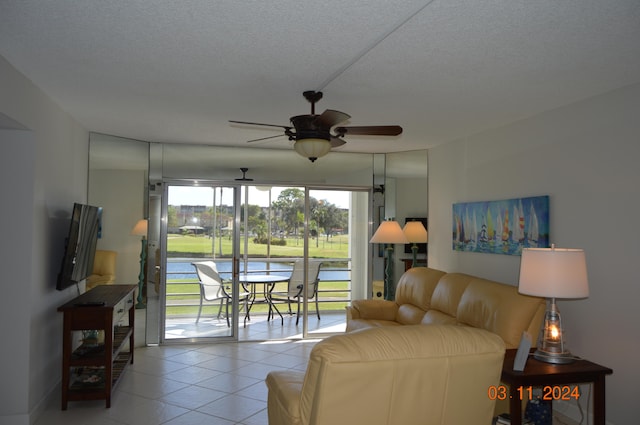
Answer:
[(501, 227)]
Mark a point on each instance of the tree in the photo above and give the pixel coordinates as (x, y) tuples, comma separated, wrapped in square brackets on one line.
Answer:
[(329, 217), (290, 207), (172, 216)]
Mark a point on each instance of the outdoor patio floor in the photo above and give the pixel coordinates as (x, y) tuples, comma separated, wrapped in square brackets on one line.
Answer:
[(257, 329)]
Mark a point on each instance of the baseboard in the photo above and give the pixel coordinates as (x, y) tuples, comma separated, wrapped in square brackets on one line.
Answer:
[(14, 420), (52, 397), (31, 417)]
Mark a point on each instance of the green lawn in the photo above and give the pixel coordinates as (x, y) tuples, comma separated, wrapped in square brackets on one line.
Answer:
[(199, 246)]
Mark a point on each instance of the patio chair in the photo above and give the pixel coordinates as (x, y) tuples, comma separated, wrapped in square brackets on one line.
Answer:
[(214, 288), (295, 286)]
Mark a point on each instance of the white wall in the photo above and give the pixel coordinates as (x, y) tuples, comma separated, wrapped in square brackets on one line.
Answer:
[(16, 164), (44, 171), (585, 157)]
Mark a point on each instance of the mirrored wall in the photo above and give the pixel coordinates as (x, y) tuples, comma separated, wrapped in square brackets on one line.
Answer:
[(125, 178)]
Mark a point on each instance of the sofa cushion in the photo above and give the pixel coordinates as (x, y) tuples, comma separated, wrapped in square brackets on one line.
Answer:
[(356, 324), (414, 292), (448, 292), (416, 286), (435, 317), (409, 314), (498, 308)]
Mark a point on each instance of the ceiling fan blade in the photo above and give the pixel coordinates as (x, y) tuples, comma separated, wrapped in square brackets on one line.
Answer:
[(372, 130), (261, 124), (265, 138), (336, 142), (330, 117)]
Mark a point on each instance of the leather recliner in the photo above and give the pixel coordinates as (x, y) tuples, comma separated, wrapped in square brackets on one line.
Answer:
[(405, 375)]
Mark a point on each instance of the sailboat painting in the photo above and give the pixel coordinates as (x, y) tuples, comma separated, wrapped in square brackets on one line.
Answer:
[(501, 227)]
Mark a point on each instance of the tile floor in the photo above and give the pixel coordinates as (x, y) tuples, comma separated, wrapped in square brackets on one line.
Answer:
[(197, 384)]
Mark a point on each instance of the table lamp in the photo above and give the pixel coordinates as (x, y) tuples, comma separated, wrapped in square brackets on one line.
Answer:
[(553, 273), (389, 232), (415, 233), (140, 229)]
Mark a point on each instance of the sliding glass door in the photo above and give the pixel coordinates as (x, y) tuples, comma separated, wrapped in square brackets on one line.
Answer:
[(254, 262), (201, 291), (291, 230)]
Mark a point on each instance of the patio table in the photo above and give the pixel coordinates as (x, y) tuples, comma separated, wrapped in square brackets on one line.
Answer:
[(267, 281)]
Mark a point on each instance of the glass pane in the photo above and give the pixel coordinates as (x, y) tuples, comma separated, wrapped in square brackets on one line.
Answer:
[(199, 291), (338, 228)]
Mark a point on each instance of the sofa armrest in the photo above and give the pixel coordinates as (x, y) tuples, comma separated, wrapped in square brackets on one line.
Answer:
[(94, 280), (373, 309), (283, 400)]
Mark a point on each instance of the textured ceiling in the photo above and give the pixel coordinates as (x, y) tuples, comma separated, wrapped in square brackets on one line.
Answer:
[(161, 70)]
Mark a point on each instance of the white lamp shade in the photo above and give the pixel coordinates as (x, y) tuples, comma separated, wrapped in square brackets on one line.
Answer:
[(415, 232), (140, 229), (389, 232), (553, 273), (312, 148)]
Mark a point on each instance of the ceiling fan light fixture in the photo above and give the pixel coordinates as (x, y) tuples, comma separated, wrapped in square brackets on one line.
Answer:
[(312, 148), (312, 133)]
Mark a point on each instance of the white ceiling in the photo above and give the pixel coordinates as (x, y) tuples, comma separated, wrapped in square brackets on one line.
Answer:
[(166, 70)]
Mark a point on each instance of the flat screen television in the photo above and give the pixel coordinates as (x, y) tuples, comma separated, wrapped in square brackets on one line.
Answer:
[(80, 245)]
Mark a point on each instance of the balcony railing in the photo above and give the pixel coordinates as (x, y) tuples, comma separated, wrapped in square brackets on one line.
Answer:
[(183, 293)]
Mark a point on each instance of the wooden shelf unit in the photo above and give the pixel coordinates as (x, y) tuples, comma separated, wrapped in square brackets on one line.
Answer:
[(91, 371)]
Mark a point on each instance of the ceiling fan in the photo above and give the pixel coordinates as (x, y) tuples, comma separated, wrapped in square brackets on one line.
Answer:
[(312, 133)]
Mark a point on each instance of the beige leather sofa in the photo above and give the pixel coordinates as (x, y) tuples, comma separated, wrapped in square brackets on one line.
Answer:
[(405, 375), (429, 296), (104, 269)]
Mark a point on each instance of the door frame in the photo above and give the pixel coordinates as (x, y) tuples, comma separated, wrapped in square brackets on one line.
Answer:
[(236, 258), (233, 336)]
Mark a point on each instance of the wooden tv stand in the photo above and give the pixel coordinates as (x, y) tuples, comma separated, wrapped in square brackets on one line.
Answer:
[(90, 370)]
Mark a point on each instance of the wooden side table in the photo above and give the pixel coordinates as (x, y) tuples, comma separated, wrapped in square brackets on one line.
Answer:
[(90, 371), (554, 380)]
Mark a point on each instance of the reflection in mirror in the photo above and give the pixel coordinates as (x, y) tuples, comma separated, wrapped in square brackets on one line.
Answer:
[(154, 259), (377, 215), (127, 176), (406, 195), (118, 183)]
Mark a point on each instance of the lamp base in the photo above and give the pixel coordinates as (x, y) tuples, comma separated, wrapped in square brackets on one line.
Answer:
[(553, 357), (143, 257), (414, 251), (389, 287)]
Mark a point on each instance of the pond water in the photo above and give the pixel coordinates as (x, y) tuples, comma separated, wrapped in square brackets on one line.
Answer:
[(183, 269)]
